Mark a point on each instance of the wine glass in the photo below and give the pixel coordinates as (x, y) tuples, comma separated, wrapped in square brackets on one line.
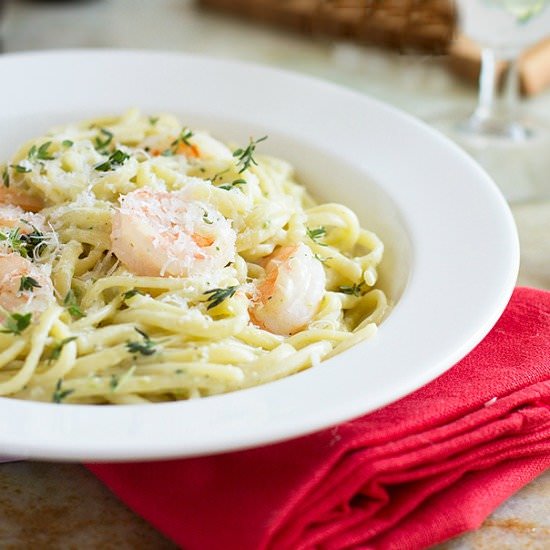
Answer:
[(496, 133)]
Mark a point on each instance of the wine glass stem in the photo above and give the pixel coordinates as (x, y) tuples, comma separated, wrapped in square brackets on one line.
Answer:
[(512, 89), (487, 85), (493, 115)]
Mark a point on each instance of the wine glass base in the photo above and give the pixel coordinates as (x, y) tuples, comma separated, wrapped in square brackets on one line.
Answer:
[(478, 128), (514, 153)]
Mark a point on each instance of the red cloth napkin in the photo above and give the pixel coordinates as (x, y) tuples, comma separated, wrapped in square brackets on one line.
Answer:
[(412, 474)]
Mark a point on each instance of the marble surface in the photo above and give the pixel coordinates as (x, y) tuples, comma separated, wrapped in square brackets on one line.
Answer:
[(46, 505)]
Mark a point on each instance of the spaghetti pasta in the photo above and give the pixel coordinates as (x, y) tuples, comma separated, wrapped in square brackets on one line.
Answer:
[(159, 265)]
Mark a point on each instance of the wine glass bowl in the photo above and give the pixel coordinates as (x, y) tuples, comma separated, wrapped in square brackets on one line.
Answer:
[(506, 26), (496, 132)]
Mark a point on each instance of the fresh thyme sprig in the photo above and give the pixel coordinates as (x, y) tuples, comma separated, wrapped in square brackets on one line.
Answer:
[(72, 307), (316, 234), (16, 323), (145, 347), (116, 159), (56, 349), (245, 157), (217, 295), (60, 394), (28, 283)]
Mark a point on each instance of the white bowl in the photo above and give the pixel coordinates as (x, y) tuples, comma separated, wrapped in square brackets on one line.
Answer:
[(451, 244)]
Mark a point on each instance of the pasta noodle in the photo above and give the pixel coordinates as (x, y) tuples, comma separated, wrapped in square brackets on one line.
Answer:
[(158, 264)]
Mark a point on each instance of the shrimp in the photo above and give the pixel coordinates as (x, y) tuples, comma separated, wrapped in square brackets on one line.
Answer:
[(13, 216), (168, 234), (291, 292), (197, 145), (24, 287), (9, 195), (158, 146)]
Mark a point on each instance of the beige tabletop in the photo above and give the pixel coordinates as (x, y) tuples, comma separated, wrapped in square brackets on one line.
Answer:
[(46, 505)]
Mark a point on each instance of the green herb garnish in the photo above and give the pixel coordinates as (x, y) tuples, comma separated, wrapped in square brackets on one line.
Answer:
[(34, 242), (13, 239), (321, 259), (118, 158), (35, 154), (153, 120), (24, 243), (353, 290), (131, 293), (146, 347), (72, 307), (117, 381), (206, 219), (56, 349), (102, 144), (229, 186), (217, 295), (316, 234), (67, 143), (184, 136), (245, 157), (59, 394), (20, 169), (40, 153), (28, 283), (16, 323), (27, 244), (6, 177), (114, 382), (219, 175)]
